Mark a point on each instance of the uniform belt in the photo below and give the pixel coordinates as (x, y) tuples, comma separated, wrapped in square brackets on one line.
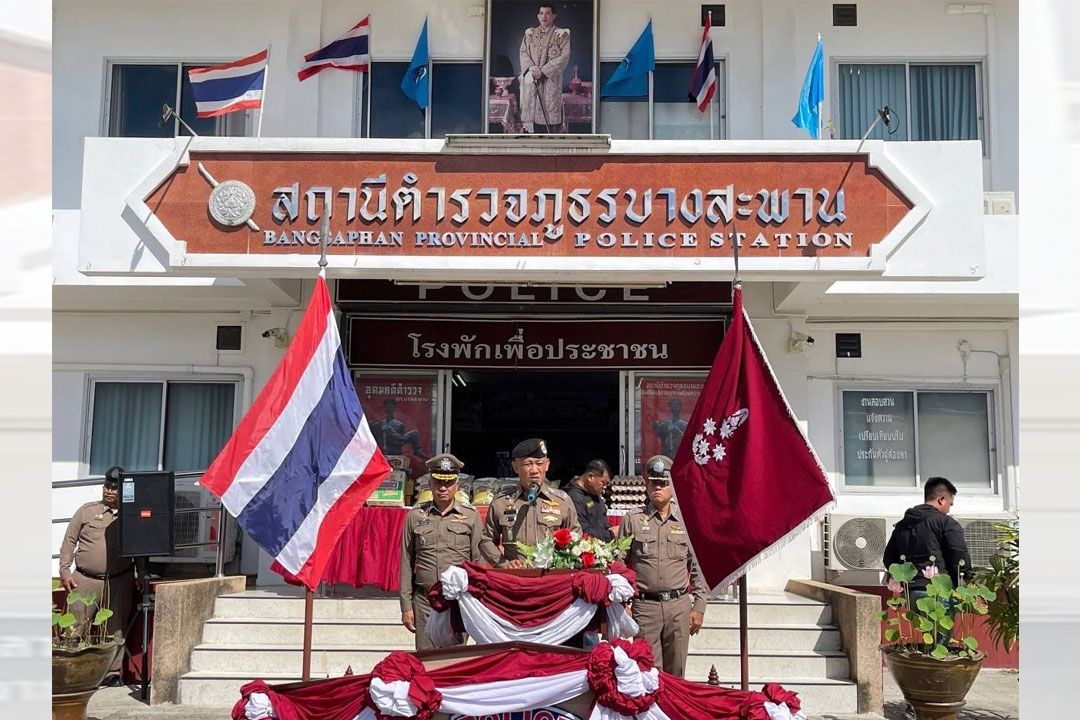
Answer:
[(103, 576), (664, 596)]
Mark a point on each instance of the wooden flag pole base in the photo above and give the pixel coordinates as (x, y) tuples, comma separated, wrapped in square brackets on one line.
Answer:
[(744, 644), (309, 612)]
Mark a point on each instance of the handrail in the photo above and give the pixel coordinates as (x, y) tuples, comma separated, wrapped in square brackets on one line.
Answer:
[(219, 543)]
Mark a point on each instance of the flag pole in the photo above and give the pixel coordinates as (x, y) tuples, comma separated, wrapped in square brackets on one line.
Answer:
[(820, 127), (266, 89), (309, 611), (744, 640)]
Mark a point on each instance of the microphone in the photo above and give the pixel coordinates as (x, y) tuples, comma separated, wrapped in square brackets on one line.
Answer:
[(534, 488)]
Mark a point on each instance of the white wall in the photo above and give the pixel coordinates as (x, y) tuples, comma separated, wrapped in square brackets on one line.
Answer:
[(767, 44)]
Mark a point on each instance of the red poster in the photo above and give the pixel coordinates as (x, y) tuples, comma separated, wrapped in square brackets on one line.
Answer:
[(665, 406), (399, 411)]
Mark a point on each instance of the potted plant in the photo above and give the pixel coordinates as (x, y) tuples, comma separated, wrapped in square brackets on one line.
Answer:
[(930, 649), (1002, 576), (82, 653)]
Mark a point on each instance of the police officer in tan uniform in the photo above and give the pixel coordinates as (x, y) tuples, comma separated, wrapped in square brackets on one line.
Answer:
[(530, 512), (671, 602), (437, 534)]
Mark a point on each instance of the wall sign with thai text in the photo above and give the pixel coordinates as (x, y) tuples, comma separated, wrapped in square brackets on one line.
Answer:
[(565, 344)]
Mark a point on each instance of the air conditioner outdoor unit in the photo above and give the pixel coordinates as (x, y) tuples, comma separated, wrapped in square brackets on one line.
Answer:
[(198, 527), (857, 542), (982, 536)]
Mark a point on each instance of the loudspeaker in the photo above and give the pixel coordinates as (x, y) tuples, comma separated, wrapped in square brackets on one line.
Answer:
[(146, 513)]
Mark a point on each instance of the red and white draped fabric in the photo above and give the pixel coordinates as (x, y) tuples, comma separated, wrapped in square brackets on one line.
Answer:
[(619, 675), (495, 606)]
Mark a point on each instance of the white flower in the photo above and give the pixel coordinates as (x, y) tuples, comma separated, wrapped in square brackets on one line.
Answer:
[(718, 452), (710, 426)]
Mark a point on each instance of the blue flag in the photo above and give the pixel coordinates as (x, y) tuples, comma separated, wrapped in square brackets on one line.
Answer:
[(631, 78), (808, 115), (415, 82)]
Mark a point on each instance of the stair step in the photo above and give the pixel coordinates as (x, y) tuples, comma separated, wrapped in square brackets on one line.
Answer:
[(818, 696), (280, 631), (763, 609)]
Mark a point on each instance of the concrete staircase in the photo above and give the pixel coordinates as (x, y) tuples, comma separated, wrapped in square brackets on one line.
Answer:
[(259, 634)]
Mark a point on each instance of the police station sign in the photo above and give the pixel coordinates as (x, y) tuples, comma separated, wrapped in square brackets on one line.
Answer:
[(516, 212)]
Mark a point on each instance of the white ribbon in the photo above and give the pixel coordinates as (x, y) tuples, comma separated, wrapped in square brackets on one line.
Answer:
[(629, 678), (258, 707), (782, 712), (391, 698), (620, 622), (455, 581)]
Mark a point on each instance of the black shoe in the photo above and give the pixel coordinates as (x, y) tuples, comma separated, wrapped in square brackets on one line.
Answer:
[(909, 713), (113, 681)]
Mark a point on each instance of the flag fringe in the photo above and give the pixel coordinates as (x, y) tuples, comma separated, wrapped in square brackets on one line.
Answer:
[(817, 514)]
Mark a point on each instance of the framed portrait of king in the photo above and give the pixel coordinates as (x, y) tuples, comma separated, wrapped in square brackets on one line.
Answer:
[(540, 66)]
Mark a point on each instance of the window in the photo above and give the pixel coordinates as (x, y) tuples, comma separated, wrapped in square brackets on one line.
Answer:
[(901, 438), (456, 101), (137, 92), (675, 116), (930, 101), (129, 427)]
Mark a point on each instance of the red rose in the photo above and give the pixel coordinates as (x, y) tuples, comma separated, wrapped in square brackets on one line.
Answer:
[(587, 559), (561, 537)]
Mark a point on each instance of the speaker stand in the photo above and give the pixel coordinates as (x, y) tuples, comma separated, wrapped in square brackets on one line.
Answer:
[(146, 603)]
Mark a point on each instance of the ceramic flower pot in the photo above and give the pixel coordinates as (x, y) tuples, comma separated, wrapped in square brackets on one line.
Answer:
[(935, 688), (76, 675)]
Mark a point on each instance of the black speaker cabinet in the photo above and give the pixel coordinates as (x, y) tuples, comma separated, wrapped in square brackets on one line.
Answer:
[(146, 514)]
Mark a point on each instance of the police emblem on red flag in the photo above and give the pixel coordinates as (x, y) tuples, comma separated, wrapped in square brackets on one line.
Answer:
[(745, 475)]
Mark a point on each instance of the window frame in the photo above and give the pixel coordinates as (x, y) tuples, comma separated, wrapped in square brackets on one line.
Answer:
[(719, 131), (362, 94), (163, 379), (982, 119), (994, 424), (112, 63)]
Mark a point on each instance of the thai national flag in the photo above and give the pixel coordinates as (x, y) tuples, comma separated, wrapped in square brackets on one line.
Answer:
[(703, 84), (349, 52), (302, 461), (226, 88)]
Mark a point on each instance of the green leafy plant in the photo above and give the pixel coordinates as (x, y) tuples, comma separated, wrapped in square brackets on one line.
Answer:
[(1002, 576), (569, 549), (939, 624), (68, 632)]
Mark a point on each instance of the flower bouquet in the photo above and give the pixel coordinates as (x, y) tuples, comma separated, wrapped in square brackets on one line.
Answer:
[(567, 549)]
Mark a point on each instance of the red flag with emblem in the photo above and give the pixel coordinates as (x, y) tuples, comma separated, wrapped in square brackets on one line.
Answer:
[(745, 475)]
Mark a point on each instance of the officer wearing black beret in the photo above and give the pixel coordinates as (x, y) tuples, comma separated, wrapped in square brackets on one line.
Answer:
[(528, 513)]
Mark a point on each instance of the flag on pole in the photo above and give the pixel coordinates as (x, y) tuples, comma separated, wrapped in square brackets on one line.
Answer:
[(302, 461), (808, 114), (227, 88), (415, 82), (349, 52), (745, 475), (631, 78), (703, 83)]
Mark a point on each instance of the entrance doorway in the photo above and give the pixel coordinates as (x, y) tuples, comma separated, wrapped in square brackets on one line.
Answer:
[(576, 413)]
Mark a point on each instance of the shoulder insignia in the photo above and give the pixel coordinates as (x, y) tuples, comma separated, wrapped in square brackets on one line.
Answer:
[(507, 491), (559, 494)]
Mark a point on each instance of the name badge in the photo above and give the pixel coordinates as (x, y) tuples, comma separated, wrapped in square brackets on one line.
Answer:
[(677, 531), (646, 529)]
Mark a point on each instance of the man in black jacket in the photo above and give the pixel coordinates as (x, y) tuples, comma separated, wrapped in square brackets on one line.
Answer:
[(927, 531), (587, 492)]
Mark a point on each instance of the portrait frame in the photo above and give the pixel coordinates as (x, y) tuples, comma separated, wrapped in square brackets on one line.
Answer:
[(507, 21)]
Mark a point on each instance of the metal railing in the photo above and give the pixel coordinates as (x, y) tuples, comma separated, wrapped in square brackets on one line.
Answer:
[(219, 544)]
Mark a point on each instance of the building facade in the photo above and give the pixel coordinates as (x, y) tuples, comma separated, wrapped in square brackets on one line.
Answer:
[(468, 257)]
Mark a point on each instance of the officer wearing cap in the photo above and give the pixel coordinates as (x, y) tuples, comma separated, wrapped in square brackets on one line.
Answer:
[(671, 602), (528, 513), (437, 534), (92, 545)]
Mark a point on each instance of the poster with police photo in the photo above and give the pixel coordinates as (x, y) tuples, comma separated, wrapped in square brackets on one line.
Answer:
[(666, 405), (540, 66), (400, 413)]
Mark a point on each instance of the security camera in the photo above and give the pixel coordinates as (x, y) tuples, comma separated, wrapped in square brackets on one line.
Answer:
[(279, 335), (797, 341)]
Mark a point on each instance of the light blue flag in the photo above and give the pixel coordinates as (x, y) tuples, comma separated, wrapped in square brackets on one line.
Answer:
[(416, 80), (808, 116), (631, 78)]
